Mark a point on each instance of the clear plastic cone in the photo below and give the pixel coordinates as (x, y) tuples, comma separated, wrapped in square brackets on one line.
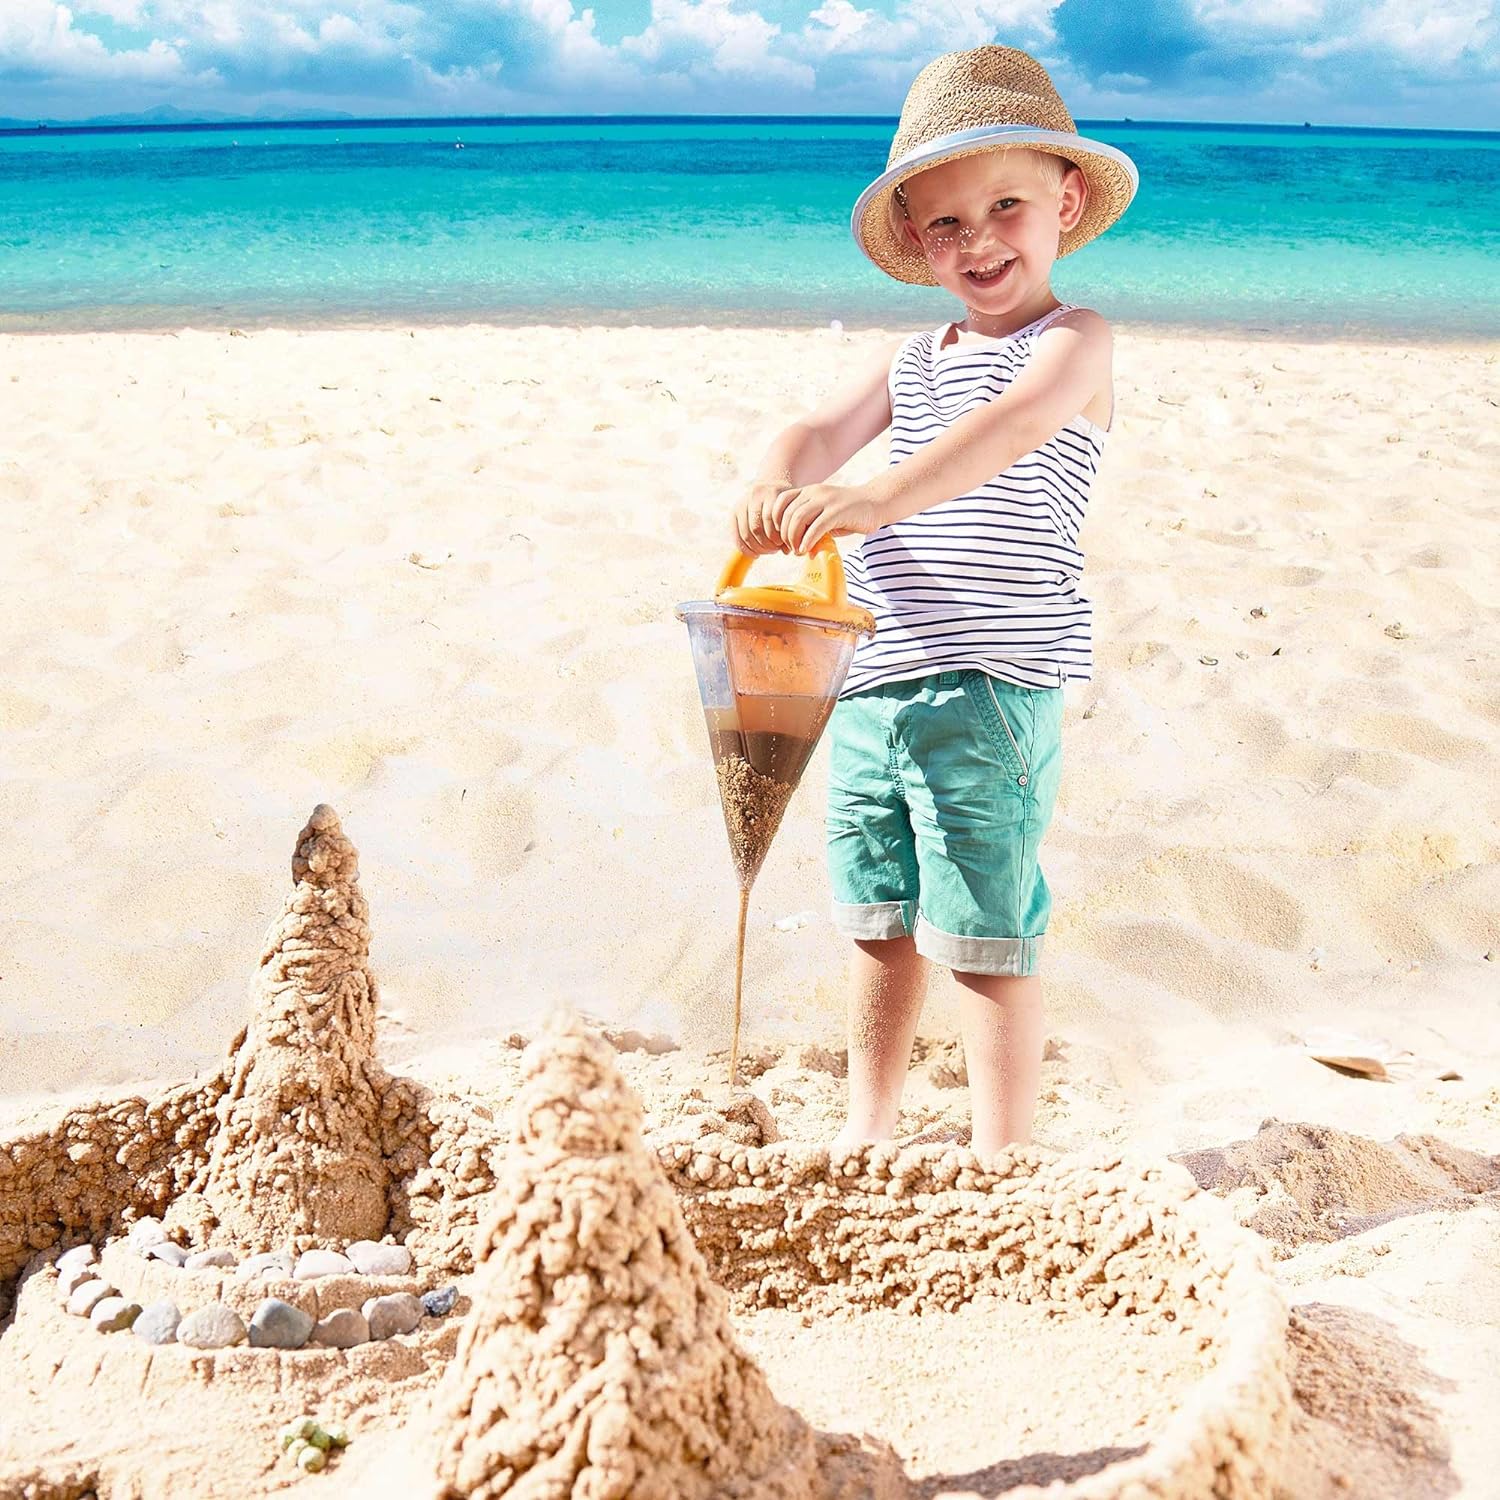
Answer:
[(770, 662)]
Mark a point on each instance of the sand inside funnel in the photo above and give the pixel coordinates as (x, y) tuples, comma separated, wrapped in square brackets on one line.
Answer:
[(753, 805)]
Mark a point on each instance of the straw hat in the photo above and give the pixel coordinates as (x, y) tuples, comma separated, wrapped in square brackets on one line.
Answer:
[(986, 99)]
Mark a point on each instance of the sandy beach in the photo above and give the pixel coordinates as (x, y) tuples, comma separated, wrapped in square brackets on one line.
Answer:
[(426, 576)]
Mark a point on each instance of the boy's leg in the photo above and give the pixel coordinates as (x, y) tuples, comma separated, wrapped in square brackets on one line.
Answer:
[(873, 871), (1003, 1038), (985, 758), (888, 985)]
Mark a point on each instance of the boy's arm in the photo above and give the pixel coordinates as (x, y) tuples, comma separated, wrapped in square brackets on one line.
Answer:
[(817, 445), (1070, 366)]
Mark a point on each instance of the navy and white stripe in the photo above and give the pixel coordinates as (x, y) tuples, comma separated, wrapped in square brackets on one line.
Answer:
[(988, 580)]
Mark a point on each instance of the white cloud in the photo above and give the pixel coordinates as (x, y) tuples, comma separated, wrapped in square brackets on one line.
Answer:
[(121, 12), (578, 55), (38, 36), (339, 30), (1260, 17), (701, 37), (970, 23), (914, 33), (220, 23), (457, 90), (457, 56), (1433, 34), (1436, 32), (288, 36), (838, 26)]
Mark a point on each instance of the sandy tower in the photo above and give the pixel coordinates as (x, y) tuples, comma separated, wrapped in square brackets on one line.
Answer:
[(296, 1154), (598, 1359)]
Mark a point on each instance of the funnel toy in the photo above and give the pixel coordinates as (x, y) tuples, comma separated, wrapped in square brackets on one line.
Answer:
[(770, 662)]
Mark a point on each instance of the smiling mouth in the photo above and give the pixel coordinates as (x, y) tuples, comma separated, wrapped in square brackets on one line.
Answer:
[(989, 275)]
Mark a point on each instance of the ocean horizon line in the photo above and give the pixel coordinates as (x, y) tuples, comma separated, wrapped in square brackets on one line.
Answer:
[(376, 122)]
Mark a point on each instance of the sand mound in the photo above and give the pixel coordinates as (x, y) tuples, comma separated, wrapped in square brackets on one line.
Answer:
[(296, 1157), (1298, 1184), (599, 1360), (1362, 1425)]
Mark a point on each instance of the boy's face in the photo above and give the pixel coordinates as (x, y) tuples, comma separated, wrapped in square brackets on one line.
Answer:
[(995, 209)]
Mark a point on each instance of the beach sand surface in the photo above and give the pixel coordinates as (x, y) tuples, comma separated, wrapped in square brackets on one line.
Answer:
[(427, 576)]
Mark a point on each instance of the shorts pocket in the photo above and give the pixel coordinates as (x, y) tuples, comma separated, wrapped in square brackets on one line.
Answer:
[(1005, 735)]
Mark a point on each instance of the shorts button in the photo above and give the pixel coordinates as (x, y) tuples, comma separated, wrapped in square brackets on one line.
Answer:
[(1020, 781)]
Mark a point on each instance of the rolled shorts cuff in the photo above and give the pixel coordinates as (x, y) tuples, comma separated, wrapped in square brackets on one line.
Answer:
[(979, 955), (874, 921)]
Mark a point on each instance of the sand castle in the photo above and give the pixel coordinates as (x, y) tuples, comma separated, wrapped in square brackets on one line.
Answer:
[(300, 1140), (296, 1155), (590, 1345), (599, 1359), (300, 1204)]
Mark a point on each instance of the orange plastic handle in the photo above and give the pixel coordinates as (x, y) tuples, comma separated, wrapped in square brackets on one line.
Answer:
[(823, 577)]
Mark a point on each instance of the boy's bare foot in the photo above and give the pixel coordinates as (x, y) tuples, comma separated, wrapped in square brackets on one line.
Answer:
[(850, 1139)]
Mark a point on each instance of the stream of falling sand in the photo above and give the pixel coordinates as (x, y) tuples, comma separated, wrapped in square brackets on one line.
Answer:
[(739, 984)]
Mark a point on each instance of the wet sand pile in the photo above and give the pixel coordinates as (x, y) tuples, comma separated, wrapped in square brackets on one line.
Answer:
[(599, 1360), (1298, 1183)]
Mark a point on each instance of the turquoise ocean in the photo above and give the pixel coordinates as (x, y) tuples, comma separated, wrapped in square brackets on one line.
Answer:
[(1315, 232)]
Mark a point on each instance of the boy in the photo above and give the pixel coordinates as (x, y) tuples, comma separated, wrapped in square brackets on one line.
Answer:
[(945, 742)]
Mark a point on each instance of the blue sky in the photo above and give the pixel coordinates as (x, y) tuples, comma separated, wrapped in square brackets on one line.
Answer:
[(1433, 63)]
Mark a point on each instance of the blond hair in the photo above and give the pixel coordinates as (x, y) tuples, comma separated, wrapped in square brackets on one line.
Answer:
[(1052, 168)]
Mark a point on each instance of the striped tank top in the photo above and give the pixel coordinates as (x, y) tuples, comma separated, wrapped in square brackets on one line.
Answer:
[(988, 580)]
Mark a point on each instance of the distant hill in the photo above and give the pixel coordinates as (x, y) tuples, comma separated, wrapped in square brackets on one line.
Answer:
[(169, 114)]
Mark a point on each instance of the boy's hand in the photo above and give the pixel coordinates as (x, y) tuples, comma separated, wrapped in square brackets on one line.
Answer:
[(754, 531), (802, 517)]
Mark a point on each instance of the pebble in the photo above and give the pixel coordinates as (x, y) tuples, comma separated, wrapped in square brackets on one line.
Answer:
[(158, 1322), (313, 1263), (439, 1304), (372, 1259), (68, 1282), (114, 1314), (174, 1255), (398, 1313), (302, 1428), (76, 1258), (342, 1329), (213, 1327), (145, 1233), (87, 1297), (279, 1325), (205, 1260), (272, 1263)]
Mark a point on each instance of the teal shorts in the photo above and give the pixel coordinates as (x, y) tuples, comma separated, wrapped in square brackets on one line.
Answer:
[(939, 792)]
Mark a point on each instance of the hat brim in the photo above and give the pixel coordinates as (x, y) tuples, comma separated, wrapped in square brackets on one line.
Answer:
[(1111, 175)]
